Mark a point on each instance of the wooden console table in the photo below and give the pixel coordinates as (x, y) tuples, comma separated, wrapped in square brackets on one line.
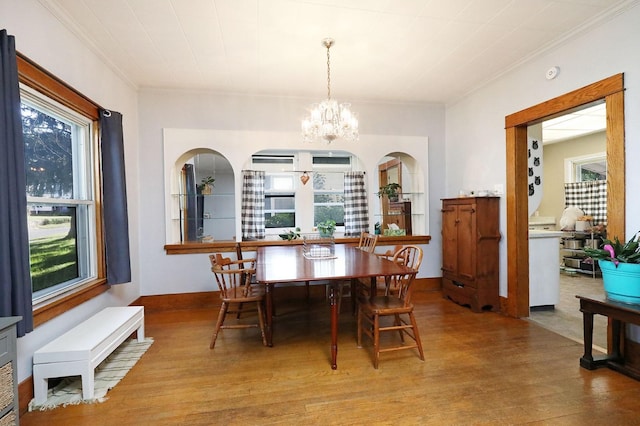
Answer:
[(619, 313)]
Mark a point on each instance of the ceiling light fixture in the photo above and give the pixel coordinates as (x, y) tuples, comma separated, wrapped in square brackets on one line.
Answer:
[(329, 120)]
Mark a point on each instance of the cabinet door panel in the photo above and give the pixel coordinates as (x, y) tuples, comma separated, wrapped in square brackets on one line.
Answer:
[(467, 241), (449, 239)]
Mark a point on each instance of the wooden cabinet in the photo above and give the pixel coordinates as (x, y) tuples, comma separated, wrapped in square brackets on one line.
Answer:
[(399, 213), (470, 251), (9, 409)]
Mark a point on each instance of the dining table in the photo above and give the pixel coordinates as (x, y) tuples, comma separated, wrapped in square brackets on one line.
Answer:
[(286, 264)]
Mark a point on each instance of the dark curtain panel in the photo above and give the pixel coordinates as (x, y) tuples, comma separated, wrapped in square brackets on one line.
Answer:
[(15, 272), (192, 201), (114, 198)]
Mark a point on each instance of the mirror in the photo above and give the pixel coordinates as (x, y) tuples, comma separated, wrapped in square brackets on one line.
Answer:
[(206, 210), (400, 193)]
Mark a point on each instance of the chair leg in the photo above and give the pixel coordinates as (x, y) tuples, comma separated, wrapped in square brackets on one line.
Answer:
[(376, 340), (219, 322), (359, 328), (398, 323), (261, 322), (416, 334)]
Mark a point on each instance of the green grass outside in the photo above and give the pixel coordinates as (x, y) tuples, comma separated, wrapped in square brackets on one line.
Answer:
[(53, 261)]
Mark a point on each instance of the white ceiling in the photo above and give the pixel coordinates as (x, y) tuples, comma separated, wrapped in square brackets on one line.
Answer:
[(583, 122), (386, 50)]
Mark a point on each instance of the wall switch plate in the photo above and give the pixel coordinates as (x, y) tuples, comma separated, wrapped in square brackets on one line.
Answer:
[(498, 189)]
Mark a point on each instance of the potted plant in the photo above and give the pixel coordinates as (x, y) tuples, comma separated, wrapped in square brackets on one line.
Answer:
[(291, 235), (206, 185), (326, 228), (391, 190), (620, 266)]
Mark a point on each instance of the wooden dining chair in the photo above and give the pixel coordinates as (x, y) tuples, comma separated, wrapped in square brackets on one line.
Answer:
[(237, 293), (367, 243), (391, 313)]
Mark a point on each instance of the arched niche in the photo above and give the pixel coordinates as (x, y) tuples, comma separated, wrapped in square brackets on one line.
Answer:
[(404, 214), (203, 197)]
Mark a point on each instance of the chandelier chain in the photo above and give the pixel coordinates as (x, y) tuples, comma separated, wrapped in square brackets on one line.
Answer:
[(328, 72)]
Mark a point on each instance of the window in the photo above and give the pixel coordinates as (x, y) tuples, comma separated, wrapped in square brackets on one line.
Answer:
[(279, 201), (586, 168), (60, 202), (279, 190), (63, 196), (328, 188)]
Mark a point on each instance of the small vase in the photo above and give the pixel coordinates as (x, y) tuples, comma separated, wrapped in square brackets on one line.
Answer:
[(325, 234), (622, 282), (207, 190)]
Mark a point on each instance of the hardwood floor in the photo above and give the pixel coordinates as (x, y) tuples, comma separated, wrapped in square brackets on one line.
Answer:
[(480, 369)]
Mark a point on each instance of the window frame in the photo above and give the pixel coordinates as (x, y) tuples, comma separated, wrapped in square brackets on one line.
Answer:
[(38, 79), (572, 165)]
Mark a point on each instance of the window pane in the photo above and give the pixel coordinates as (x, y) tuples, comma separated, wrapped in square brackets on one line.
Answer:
[(322, 213), (53, 245), (280, 220), (329, 197), (48, 155)]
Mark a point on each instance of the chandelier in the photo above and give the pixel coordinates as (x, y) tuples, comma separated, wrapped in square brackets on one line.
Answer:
[(329, 120)]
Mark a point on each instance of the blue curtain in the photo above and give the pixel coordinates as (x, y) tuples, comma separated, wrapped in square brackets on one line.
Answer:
[(15, 273), (114, 199), (191, 202)]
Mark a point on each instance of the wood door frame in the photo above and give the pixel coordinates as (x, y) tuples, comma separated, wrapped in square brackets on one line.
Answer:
[(611, 90)]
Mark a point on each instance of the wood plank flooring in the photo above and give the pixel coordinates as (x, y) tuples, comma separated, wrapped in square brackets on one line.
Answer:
[(479, 369)]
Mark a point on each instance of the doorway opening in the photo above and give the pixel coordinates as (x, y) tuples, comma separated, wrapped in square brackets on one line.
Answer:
[(611, 90)]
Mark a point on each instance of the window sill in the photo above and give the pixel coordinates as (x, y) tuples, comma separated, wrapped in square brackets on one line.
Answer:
[(58, 306)]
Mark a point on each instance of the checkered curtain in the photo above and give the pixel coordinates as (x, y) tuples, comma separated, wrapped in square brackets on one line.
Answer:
[(356, 209), (253, 205), (590, 197)]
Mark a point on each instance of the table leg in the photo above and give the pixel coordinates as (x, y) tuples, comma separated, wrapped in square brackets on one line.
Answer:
[(615, 339), (373, 287), (587, 324), (269, 300), (334, 325)]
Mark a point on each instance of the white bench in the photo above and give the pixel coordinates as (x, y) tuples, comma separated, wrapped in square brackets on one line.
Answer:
[(81, 349)]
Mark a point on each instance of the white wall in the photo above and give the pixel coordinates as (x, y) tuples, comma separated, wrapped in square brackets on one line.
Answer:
[(238, 126), (475, 135), (42, 38)]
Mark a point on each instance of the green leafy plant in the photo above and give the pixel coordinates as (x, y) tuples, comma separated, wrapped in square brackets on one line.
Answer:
[(291, 235), (327, 227), (206, 181), (391, 190), (617, 252)]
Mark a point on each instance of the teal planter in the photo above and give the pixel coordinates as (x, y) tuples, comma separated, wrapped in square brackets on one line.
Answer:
[(621, 283)]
